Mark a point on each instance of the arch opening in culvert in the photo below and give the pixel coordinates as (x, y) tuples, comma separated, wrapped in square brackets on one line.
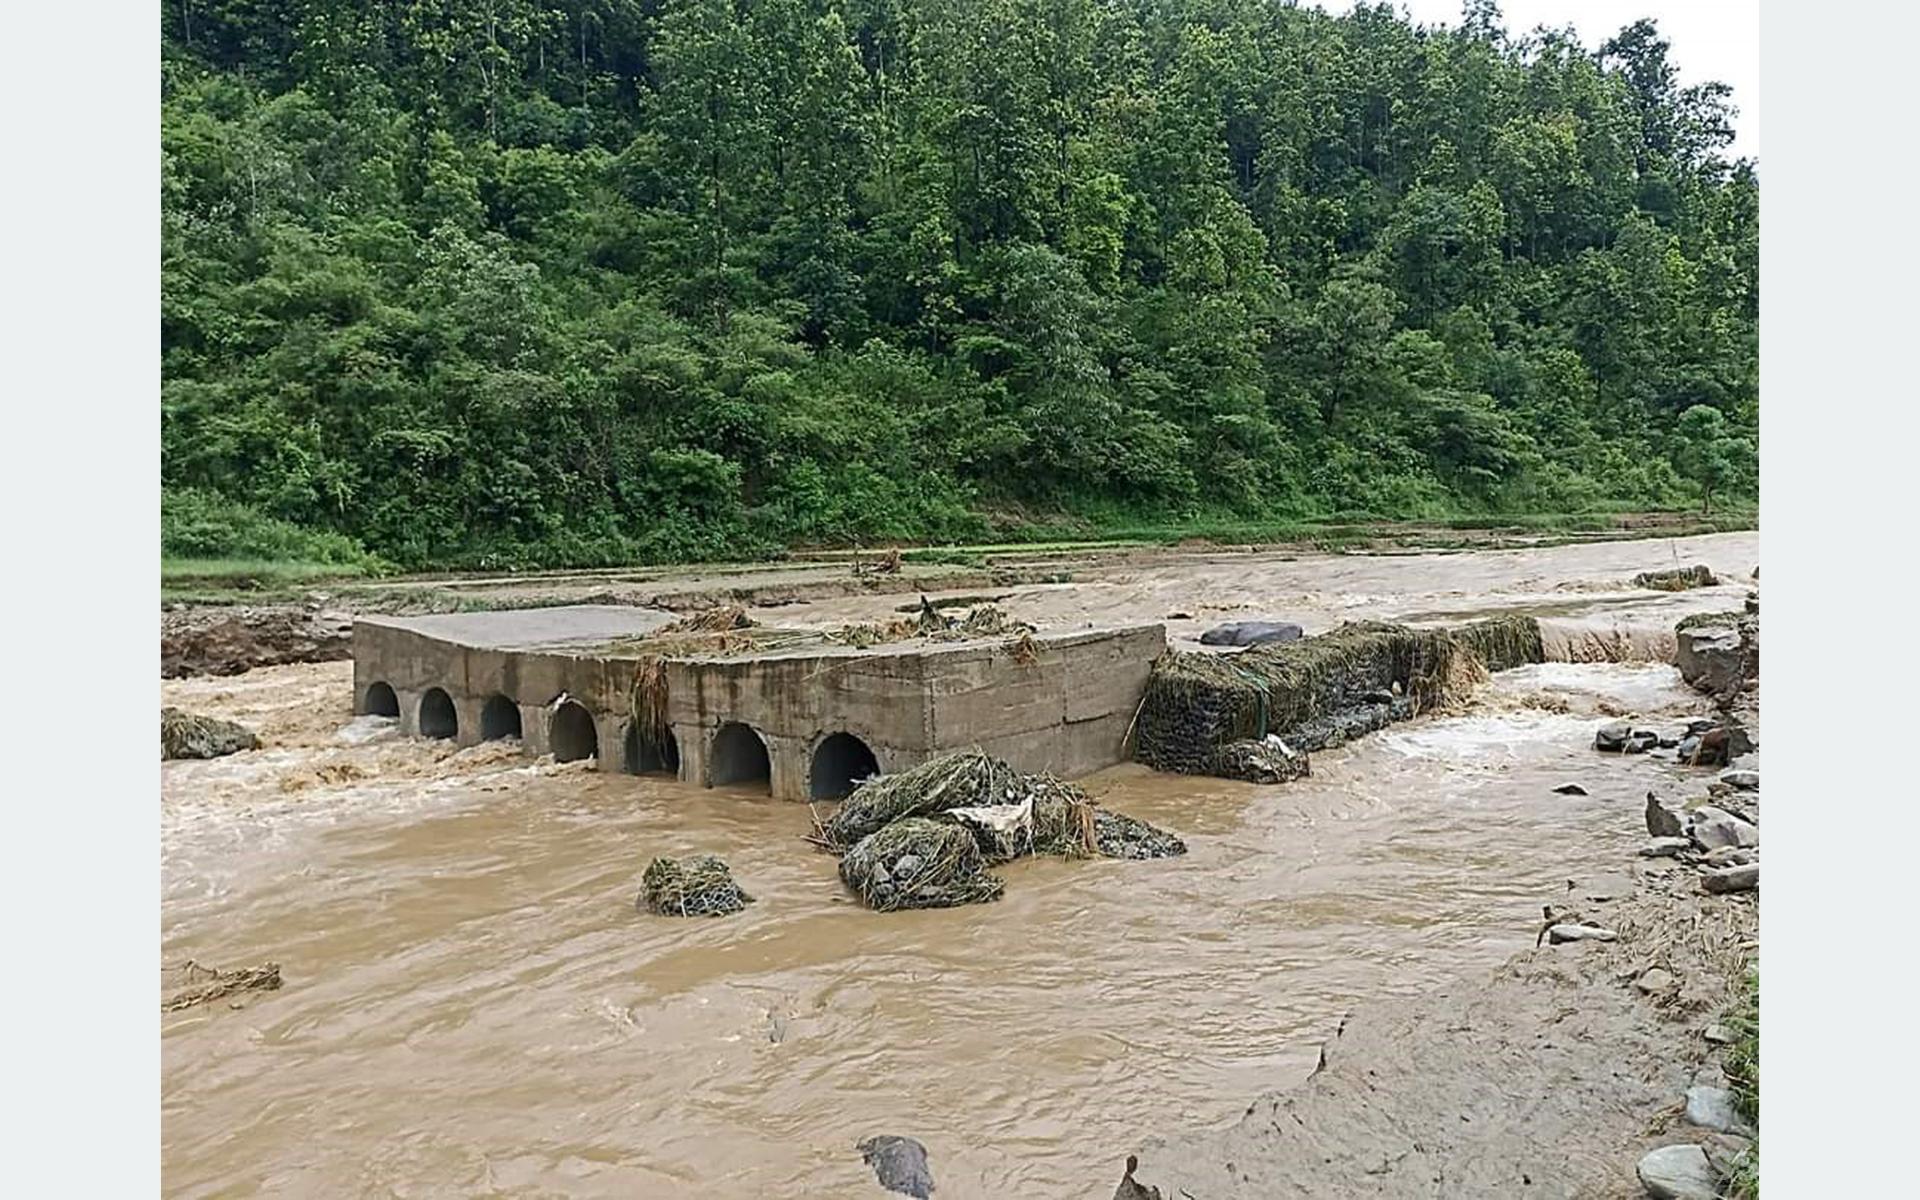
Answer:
[(571, 736), (739, 756), (839, 765), (381, 702), (437, 716), (499, 719)]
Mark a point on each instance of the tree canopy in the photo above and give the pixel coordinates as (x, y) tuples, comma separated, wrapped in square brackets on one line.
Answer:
[(573, 282)]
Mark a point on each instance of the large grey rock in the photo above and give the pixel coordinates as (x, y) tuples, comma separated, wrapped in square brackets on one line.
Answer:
[(1712, 1108), (1665, 818), (1744, 780), (1732, 879), (1612, 736), (900, 1164), (1251, 633), (1679, 1173), (1713, 828)]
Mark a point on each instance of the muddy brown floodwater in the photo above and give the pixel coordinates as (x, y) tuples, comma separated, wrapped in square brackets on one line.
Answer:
[(472, 1005)]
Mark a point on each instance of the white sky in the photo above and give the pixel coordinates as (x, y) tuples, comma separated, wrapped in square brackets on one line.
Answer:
[(1710, 39)]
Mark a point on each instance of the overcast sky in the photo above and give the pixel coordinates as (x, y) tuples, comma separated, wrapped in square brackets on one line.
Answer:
[(1711, 39)]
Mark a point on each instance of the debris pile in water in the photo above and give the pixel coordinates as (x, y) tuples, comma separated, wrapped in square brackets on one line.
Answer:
[(191, 984), (185, 735), (1320, 691), (924, 838), (1676, 579), (698, 886)]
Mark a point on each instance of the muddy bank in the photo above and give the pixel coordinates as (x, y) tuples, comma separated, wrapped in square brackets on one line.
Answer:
[(231, 640), (1549, 1077), (1552, 1076)]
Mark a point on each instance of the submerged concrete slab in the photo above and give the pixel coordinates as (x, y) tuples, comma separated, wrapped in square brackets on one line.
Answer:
[(1059, 702)]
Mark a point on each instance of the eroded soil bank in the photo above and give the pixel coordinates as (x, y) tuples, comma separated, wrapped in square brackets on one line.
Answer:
[(472, 1005)]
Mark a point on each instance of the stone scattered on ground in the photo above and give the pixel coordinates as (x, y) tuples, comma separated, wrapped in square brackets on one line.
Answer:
[(1731, 856), (1743, 780), (187, 735), (1718, 1034), (1712, 1108), (1732, 879), (1679, 1173), (1712, 828), (1666, 847), (899, 1163), (1655, 981), (1251, 633), (1559, 934), (1571, 789), (1665, 818)]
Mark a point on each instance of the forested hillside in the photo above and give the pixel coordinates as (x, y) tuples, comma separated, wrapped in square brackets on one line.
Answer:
[(532, 282)]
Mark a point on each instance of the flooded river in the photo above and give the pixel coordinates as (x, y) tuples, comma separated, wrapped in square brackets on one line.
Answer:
[(473, 1006)]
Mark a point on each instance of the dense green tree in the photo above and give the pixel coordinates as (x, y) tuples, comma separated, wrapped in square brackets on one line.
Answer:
[(505, 282)]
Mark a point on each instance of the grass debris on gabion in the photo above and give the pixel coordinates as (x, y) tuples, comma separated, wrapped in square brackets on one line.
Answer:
[(925, 837), (968, 779), (917, 862), (184, 735), (697, 886), (1676, 579), (1308, 692), (1503, 643)]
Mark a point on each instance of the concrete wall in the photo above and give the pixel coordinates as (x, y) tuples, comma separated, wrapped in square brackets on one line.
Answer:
[(1066, 711)]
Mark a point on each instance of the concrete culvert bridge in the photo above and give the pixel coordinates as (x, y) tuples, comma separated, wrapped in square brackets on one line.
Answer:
[(437, 717), (572, 735), (840, 762), (499, 719), (643, 759), (739, 756), (381, 702)]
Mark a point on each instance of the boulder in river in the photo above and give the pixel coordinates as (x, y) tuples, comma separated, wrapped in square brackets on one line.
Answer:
[(899, 1163), (1679, 1173), (1251, 633), (1732, 879), (1713, 828), (1571, 789), (1665, 818), (1612, 736), (186, 735), (1132, 1189)]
